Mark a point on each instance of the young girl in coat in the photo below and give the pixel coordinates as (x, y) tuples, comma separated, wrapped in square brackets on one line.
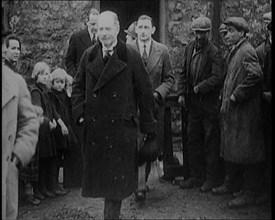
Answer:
[(64, 138), (40, 95)]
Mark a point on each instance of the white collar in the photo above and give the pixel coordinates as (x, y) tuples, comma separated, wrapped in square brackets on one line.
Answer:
[(111, 48)]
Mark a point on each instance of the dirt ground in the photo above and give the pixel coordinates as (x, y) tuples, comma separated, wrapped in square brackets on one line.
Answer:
[(164, 201)]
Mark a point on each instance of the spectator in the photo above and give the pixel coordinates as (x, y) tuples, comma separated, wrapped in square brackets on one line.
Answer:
[(19, 135), (242, 145), (13, 45), (199, 87)]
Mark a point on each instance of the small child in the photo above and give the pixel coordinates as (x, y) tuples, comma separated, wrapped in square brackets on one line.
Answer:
[(61, 92), (40, 95)]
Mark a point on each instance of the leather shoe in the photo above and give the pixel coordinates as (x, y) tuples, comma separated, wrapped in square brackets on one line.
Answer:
[(39, 195), (222, 189), (244, 200), (140, 195), (190, 183), (48, 194), (208, 186), (32, 200), (59, 192)]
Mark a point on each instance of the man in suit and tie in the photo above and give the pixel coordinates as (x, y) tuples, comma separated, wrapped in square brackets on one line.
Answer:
[(156, 59), (80, 41)]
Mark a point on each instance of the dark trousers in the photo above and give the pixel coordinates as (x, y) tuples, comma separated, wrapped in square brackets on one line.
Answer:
[(47, 173), (112, 209), (233, 176), (203, 145)]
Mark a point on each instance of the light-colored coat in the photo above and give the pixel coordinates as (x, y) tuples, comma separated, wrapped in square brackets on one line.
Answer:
[(241, 130), (19, 136)]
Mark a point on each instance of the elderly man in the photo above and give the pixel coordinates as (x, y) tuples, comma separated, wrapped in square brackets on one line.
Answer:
[(199, 88), (19, 135), (242, 145), (111, 82), (80, 41)]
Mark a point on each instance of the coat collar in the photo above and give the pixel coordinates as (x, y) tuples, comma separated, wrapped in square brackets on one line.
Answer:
[(85, 38), (234, 50), (8, 85), (116, 63)]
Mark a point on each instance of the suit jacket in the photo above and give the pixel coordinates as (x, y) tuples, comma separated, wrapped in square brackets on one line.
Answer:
[(78, 43), (159, 68), (108, 96), (19, 135), (162, 78)]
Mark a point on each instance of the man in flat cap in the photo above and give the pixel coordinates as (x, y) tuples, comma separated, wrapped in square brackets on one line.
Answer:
[(265, 58), (199, 88), (242, 145)]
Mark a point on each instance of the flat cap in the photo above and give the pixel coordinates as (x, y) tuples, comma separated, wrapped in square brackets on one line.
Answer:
[(237, 22), (201, 24), (131, 30), (223, 28), (267, 17)]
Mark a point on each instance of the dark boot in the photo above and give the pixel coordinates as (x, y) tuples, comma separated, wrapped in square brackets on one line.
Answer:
[(112, 209)]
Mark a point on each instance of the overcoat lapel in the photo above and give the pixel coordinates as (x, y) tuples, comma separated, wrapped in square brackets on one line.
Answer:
[(113, 67), (154, 57), (96, 66), (8, 90)]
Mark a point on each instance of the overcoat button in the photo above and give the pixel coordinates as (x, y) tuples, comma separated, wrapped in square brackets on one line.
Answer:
[(94, 95), (114, 95), (113, 121), (93, 119), (111, 146), (93, 143), (107, 138), (115, 178)]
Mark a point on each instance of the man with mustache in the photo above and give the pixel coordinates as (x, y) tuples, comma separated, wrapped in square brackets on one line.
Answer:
[(199, 87)]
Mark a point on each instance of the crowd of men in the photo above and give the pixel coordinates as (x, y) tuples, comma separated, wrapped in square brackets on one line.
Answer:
[(118, 97)]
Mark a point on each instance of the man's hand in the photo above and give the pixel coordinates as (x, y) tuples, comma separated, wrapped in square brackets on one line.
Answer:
[(157, 97), (181, 100), (232, 98), (64, 130), (196, 89), (81, 120), (267, 96)]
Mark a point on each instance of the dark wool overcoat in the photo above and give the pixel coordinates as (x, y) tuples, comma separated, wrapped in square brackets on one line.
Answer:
[(108, 97), (40, 96), (241, 130)]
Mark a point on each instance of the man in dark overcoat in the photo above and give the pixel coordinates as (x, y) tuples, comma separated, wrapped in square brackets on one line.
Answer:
[(265, 58), (110, 85), (78, 43), (242, 143), (157, 62), (199, 88)]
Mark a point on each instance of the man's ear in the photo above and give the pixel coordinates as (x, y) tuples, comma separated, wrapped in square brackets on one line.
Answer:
[(153, 29)]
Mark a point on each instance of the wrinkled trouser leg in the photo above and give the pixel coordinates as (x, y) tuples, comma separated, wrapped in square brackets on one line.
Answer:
[(112, 209), (142, 177), (195, 143), (212, 149), (12, 192), (233, 176)]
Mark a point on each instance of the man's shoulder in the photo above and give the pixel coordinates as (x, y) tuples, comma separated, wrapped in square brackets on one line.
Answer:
[(79, 33), (159, 45)]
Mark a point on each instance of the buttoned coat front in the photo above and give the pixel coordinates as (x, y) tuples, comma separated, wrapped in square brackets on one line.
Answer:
[(162, 78), (19, 136), (241, 130), (107, 96)]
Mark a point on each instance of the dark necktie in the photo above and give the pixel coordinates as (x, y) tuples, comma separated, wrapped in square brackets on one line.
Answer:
[(106, 56), (144, 56)]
